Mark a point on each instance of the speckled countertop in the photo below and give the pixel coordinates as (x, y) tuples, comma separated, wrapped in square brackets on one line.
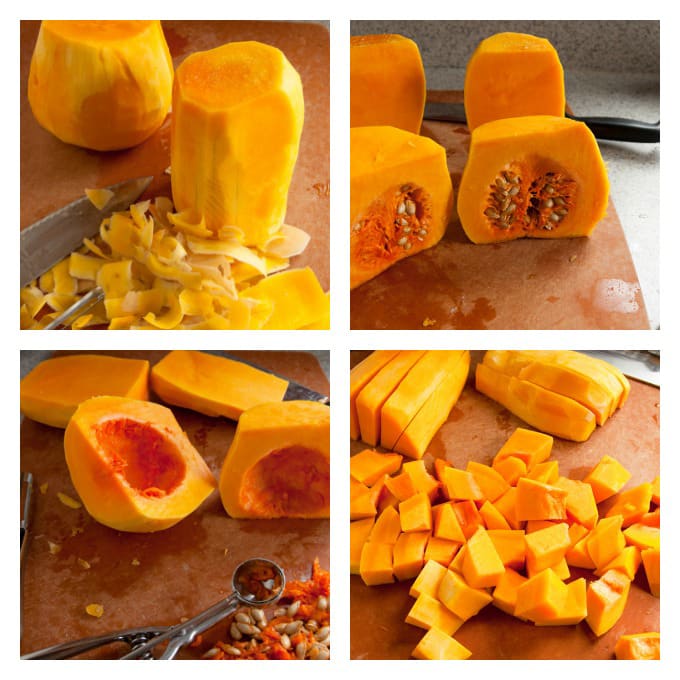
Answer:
[(611, 69)]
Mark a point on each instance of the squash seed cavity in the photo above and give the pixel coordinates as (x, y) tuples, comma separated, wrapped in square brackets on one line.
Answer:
[(541, 204), (396, 222)]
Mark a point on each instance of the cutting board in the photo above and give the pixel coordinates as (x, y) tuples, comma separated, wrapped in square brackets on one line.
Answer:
[(181, 570), (53, 173), (476, 430), (580, 283)]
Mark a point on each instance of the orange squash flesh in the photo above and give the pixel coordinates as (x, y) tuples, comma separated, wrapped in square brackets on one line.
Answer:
[(133, 466), (547, 411), (387, 82), (533, 176), (401, 198), (237, 118), (513, 74), (278, 464), (52, 391), (213, 385), (102, 85)]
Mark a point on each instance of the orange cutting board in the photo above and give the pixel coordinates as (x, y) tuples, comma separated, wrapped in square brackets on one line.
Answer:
[(580, 283), (181, 570), (475, 430), (53, 173)]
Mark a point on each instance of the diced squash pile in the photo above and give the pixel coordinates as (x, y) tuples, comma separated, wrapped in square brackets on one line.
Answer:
[(561, 392), (507, 533), (160, 272), (399, 399)]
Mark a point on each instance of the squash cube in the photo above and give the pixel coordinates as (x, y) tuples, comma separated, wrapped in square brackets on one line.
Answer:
[(446, 524), (408, 555), (574, 608), (359, 531), (463, 600), (638, 646), (542, 597), (461, 485), (651, 560), (415, 513), (607, 478), (387, 527), (632, 504), (428, 612), (505, 592), (607, 599), (368, 466), (421, 478), (536, 500), (529, 446), (441, 550), (437, 645), (428, 579), (547, 547), (490, 481), (482, 566), (375, 564), (606, 540)]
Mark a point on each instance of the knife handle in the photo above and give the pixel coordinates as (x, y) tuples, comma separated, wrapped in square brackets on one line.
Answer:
[(621, 129)]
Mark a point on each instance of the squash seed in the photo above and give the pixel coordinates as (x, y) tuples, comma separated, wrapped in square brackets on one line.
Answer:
[(242, 617), (301, 650), (213, 651), (234, 631), (293, 608), (230, 649), (285, 641), (292, 627), (322, 633), (402, 241)]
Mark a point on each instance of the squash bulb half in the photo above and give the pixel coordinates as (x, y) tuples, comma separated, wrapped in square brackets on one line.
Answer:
[(102, 85), (278, 464), (133, 466)]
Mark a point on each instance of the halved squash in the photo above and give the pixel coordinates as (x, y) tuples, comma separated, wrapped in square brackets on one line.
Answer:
[(535, 176), (133, 466), (278, 464), (401, 198)]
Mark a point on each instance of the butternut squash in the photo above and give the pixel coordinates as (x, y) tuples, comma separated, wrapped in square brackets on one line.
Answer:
[(513, 74), (401, 407), (409, 554), (544, 410), (375, 565), (401, 198), (606, 599), (132, 465), (428, 612), (422, 428), (533, 176), (370, 400), (52, 391), (278, 464), (213, 385), (359, 377), (428, 580), (387, 82), (237, 117), (102, 85)]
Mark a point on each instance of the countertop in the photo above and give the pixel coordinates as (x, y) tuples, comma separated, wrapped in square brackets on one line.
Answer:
[(611, 69)]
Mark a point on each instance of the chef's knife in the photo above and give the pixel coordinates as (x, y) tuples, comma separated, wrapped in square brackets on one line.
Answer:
[(616, 129), (641, 365), (294, 391), (51, 239)]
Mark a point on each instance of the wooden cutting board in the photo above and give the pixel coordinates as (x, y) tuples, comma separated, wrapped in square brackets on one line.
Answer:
[(581, 283), (476, 430), (182, 570), (53, 173)]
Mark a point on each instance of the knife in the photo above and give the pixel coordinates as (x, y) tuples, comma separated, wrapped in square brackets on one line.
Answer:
[(641, 365), (294, 390), (51, 239), (603, 127)]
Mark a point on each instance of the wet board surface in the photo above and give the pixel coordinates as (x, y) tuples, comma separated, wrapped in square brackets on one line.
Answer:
[(476, 430), (181, 570), (54, 173), (579, 283)]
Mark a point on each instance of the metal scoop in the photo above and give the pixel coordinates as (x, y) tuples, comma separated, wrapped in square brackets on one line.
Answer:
[(256, 582)]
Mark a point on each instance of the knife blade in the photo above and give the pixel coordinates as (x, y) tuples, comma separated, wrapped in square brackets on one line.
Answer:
[(603, 127), (294, 390), (55, 236), (641, 365)]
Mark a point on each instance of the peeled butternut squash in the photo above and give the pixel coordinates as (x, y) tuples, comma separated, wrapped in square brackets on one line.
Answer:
[(52, 391), (533, 176), (546, 411), (132, 465), (213, 385), (401, 198), (387, 82), (102, 85), (278, 464), (513, 74), (237, 118)]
